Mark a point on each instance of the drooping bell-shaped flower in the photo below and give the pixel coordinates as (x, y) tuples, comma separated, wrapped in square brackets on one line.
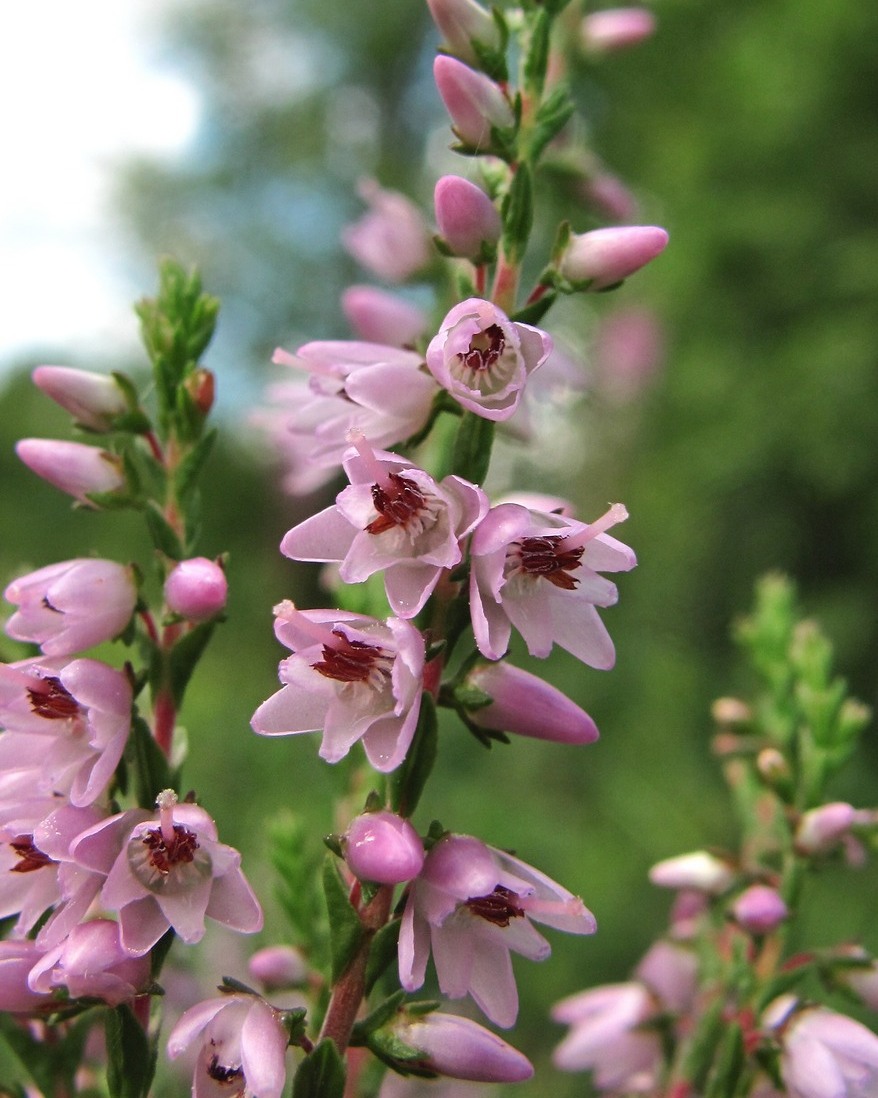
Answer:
[(92, 962), (538, 572), (391, 239), (351, 676), (484, 359), (167, 869), (379, 316), (472, 906), (243, 1047), (395, 519), (72, 605)]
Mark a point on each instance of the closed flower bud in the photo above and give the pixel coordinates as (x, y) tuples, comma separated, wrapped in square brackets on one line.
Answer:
[(382, 847), (699, 870), (94, 400), (196, 589), (72, 467), (463, 22), (277, 967), (468, 220), (462, 1049), (527, 705), (475, 103), (823, 828), (381, 317), (759, 909), (616, 29), (606, 257)]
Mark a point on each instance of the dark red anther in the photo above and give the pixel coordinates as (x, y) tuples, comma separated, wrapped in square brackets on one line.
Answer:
[(348, 661), (396, 504), (51, 700), (30, 857), (223, 1074), (545, 556), (484, 349), (164, 856), (498, 907)]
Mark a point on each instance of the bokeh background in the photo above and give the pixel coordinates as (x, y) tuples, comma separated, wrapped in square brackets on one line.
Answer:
[(749, 130)]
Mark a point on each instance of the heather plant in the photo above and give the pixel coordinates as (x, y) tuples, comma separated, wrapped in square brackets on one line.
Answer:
[(437, 570)]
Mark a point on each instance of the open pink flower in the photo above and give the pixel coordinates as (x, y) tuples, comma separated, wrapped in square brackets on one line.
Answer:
[(72, 605), (375, 388), (383, 317), (352, 676), (483, 358), (538, 571), (68, 726), (243, 1045), (165, 870), (92, 962), (393, 518), (473, 905)]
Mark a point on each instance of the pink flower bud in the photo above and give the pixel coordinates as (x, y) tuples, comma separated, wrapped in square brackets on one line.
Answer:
[(91, 962), (467, 219), (759, 909), (94, 400), (474, 102), (277, 967), (196, 589), (528, 706), (698, 870), (381, 317), (391, 239), (72, 467), (616, 29), (457, 1047), (605, 257), (382, 847), (462, 22), (823, 828)]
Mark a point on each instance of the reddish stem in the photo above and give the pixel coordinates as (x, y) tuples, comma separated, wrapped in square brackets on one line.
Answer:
[(165, 713)]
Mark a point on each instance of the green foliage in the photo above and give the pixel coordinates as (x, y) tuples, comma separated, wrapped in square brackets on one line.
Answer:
[(321, 1074), (345, 928), (131, 1056)]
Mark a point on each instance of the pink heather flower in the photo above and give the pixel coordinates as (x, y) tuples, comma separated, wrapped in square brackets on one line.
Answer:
[(476, 104), (395, 519), (243, 1046), (72, 605), (351, 676), (72, 467), (463, 22), (94, 400), (68, 726), (606, 1037), (92, 962), (759, 909), (391, 239), (608, 195), (483, 358), (538, 571), (527, 705), (821, 829), (17, 958), (35, 838), (462, 1049), (628, 352), (670, 971), (699, 870), (196, 589), (167, 870), (468, 220), (382, 317), (374, 388), (278, 966), (383, 847), (616, 29), (824, 1054), (473, 905), (606, 257)]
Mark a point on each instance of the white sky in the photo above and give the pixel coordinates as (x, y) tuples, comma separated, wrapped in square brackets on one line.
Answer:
[(78, 90)]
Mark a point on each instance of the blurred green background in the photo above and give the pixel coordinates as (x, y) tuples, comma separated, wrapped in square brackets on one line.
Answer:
[(750, 131)]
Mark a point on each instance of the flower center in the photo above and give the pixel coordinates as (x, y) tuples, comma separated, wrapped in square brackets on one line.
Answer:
[(50, 699), (399, 502), (353, 661), (498, 907), (30, 857), (484, 349), (222, 1074), (546, 556), (168, 860)]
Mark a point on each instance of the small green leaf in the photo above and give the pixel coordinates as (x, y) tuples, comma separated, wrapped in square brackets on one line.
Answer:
[(185, 655), (130, 1060), (345, 928), (553, 114), (189, 469), (517, 212), (383, 952), (147, 762), (537, 60), (321, 1074), (472, 447), (730, 1064), (407, 781), (164, 536)]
